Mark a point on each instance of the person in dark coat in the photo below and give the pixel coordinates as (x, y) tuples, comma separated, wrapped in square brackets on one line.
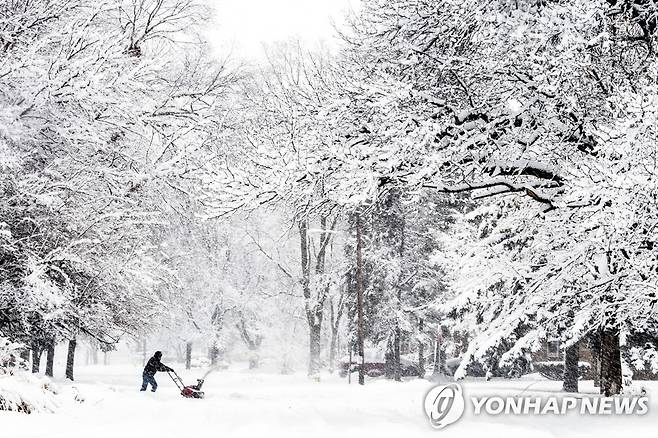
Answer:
[(153, 366)]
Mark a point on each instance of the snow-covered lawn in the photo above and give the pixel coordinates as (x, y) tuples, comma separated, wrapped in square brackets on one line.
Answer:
[(244, 404)]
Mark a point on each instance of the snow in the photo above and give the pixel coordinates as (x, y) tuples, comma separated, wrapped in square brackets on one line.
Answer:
[(26, 392), (240, 403)]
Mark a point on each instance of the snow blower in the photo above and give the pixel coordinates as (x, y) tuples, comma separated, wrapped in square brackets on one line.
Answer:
[(190, 391)]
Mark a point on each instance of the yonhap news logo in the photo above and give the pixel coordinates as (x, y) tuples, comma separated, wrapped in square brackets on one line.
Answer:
[(445, 405)]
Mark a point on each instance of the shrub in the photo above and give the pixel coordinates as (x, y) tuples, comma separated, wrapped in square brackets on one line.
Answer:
[(10, 356), (554, 370)]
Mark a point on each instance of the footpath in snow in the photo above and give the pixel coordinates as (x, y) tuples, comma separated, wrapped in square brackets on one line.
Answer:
[(245, 404)]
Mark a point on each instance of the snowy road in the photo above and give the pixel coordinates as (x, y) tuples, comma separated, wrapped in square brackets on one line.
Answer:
[(242, 404)]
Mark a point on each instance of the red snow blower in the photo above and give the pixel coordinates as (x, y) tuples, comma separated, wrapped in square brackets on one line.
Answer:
[(190, 391)]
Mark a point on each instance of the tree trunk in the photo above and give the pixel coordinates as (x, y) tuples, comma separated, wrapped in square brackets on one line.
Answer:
[(36, 357), (254, 361), (333, 344), (359, 300), (398, 334), (349, 367), (286, 366), (421, 349), (611, 378), (214, 353), (596, 368), (25, 355), (92, 358), (70, 359), (311, 306), (439, 359), (571, 368), (335, 313), (254, 356), (50, 358), (397, 368), (314, 303), (188, 355), (314, 351), (253, 342), (594, 344)]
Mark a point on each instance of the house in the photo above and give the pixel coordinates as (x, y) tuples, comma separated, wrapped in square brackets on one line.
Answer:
[(549, 361)]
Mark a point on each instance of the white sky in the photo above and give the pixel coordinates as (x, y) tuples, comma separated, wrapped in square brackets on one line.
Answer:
[(244, 25)]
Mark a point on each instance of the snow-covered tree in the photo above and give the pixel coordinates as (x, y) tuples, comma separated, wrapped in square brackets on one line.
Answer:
[(541, 110), (105, 104)]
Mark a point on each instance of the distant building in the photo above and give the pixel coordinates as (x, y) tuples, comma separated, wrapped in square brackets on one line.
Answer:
[(549, 360)]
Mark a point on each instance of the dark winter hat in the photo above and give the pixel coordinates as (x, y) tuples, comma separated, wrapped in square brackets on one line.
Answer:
[(158, 354)]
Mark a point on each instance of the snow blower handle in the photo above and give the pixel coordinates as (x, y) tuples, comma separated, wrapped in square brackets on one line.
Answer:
[(176, 378)]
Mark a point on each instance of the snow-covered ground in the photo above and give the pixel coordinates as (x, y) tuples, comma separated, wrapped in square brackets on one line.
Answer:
[(240, 403)]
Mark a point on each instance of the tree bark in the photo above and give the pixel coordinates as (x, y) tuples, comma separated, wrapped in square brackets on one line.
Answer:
[(397, 368), (359, 300), (596, 369), (333, 344), (253, 342), (571, 355), (611, 377), (314, 306), (70, 359), (335, 316), (94, 354), (439, 359), (594, 344), (214, 353), (398, 333), (421, 349), (50, 358), (25, 355), (188, 355), (314, 350), (36, 356), (254, 357), (314, 357)]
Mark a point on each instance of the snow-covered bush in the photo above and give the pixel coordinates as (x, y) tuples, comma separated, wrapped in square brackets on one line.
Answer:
[(643, 359), (10, 355), (21, 391), (28, 393), (24, 392), (554, 370)]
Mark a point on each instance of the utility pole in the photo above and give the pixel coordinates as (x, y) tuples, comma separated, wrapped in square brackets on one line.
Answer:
[(359, 299)]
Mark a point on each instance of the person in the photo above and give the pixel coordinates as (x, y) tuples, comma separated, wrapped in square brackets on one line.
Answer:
[(153, 366)]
